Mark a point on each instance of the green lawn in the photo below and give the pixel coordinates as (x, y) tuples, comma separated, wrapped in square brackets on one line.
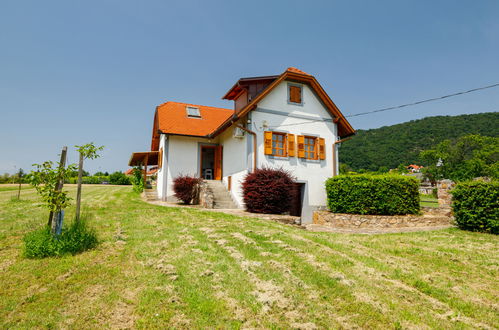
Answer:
[(9, 187), (179, 267), (428, 200)]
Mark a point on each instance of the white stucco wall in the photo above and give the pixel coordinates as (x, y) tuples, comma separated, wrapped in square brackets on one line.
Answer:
[(161, 180), (274, 113), (182, 158), (235, 162)]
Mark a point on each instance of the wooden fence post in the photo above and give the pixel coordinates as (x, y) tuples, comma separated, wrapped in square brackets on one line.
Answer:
[(19, 190), (62, 164)]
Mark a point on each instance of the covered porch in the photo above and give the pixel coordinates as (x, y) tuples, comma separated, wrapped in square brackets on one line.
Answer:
[(145, 159)]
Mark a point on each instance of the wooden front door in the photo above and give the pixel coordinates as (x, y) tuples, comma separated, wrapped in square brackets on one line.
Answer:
[(218, 162)]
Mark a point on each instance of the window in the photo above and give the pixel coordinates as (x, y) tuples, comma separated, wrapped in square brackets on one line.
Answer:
[(309, 147), (278, 144), (193, 112), (295, 94)]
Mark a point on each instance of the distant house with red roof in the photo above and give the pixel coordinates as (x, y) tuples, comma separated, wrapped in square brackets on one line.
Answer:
[(414, 168), (285, 120)]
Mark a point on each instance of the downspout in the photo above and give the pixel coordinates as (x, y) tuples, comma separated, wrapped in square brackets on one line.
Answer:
[(334, 153), (254, 143)]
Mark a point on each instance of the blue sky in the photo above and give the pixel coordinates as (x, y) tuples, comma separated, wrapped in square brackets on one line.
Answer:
[(72, 72)]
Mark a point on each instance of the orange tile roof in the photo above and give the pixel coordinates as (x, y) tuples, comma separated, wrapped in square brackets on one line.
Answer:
[(172, 119), (295, 70)]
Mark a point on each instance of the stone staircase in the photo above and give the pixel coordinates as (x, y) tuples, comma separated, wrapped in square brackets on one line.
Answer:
[(221, 196), (151, 194)]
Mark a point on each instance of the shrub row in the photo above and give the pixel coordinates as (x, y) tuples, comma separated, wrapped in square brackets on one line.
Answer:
[(117, 178), (476, 206), (373, 194)]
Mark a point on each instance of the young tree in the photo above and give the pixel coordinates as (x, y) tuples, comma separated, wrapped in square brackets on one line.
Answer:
[(89, 151), (48, 180)]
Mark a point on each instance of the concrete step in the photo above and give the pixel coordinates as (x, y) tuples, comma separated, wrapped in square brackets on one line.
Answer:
[(222, 198), (151, 194)]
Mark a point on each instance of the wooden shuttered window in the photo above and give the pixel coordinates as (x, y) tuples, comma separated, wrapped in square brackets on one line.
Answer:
[(322, 148), (310, 147), (268, 143), (279, 144), (291, 145), (295, 94), (301, 146)]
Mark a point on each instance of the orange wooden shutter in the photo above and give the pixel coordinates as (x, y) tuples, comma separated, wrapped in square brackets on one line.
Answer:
[(291, 145), (160, 158), (268, 143), (295, 94), (322, 148), (301, 146)]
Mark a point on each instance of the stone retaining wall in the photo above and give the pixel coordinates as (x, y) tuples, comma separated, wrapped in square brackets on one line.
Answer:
[(436, 217), (205, 196)]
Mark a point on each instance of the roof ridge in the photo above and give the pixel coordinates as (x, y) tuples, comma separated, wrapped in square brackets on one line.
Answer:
[(296, 70)]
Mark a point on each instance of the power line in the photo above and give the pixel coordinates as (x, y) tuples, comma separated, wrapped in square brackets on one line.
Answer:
[(424, 101), (400, 106)]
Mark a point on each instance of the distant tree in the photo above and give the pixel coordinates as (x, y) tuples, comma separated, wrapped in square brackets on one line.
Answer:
[(383, 169), (466, 158), (99, 173), (345, 169), (402, 169), (119, 178)]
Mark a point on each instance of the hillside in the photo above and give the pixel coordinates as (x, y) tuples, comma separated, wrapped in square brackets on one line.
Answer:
[(400, 144)]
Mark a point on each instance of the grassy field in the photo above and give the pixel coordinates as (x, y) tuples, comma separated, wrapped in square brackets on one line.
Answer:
[(158, 267), (428, 200)]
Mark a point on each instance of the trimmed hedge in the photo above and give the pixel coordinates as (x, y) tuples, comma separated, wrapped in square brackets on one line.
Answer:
[(373, 194), (268, 190), (476, 206)]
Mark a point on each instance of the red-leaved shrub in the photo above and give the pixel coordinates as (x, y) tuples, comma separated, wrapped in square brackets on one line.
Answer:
[(184, 187), (268, 190)]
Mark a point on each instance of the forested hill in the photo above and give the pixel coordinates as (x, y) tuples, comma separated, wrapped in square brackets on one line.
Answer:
[(390, 146)]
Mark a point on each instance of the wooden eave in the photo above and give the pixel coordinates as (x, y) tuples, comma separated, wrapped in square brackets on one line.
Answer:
[(155, 132), (238, 87), (144, 158)]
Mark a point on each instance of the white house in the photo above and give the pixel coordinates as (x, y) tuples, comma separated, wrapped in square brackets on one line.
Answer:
[(285, 121)]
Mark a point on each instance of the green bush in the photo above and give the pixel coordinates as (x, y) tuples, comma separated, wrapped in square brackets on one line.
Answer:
[(119, 178), (476, 206), (75, 238), (386, 194)]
